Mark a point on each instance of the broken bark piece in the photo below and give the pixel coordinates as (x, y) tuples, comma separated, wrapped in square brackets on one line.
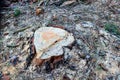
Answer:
[(58, 26), (37, 62), (48, 43)]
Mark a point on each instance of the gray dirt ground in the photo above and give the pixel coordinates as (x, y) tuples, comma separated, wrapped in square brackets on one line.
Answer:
[(95, 54)]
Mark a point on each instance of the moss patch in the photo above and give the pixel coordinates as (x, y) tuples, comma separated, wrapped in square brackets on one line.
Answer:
[(112, 28)]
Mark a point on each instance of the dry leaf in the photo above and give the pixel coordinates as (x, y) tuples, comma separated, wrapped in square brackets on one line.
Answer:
[(39, 11)]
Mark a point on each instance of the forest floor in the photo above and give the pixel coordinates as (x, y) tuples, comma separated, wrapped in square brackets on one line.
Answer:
[(95, 25)]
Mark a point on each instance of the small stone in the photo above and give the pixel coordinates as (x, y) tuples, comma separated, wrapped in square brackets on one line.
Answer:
[(103, 32), (88, 57), (87, 24), (79, 27), (68, 3)]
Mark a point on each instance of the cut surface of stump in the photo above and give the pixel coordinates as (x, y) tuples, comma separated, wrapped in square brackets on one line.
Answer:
[(49, 42)]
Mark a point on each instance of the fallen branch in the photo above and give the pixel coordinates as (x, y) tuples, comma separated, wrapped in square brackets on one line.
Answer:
[(20, 30)]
